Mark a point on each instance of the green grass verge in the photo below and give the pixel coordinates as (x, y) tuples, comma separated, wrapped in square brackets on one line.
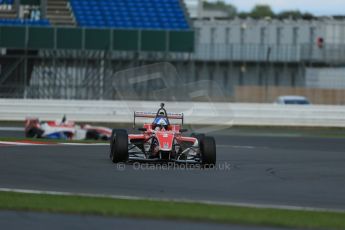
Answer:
[(172, 210), (14, 139)]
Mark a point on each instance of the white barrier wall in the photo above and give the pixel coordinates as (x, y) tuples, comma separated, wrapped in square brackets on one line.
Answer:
[(195, 113)]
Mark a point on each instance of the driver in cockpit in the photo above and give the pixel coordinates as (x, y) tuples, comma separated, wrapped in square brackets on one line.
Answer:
[(161, 121)]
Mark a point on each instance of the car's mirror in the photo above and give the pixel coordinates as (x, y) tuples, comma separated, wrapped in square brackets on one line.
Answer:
[(142, 129), (183, 130)]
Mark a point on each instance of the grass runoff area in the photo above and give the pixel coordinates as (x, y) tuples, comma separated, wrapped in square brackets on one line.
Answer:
[(172, 210)]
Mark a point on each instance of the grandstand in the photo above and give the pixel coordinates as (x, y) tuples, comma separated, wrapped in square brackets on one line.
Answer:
[(9, 15), (144, 14), (74, 48), (6, 4), (59, 13), (6, 9), (134, 14)]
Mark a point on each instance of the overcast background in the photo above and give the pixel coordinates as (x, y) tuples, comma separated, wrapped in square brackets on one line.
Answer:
[(317, 7)]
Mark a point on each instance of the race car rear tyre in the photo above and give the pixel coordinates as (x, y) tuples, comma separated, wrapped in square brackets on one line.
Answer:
[(34, 132), (208, 151), (119, 147), (199, 136)]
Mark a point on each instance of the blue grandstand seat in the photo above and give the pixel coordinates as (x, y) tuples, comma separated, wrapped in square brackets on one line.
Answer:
[(21, 22), (146, 14)]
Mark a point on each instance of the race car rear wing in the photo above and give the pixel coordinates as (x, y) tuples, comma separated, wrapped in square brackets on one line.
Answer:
[(171, 116)]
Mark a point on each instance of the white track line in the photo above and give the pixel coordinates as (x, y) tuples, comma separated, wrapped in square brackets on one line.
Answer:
[(8, 143), (237, 204)]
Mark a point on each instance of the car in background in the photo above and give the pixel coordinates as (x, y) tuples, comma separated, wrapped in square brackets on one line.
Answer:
[(65, 130), (292, 100)]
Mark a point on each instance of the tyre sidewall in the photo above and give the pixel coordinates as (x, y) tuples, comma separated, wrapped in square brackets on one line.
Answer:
[(208, 151), (119, 147)]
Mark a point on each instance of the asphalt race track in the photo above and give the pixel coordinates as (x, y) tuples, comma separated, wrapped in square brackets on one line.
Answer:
[(293, 171)]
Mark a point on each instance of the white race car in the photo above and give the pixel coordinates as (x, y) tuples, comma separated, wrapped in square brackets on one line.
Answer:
[(64, 129)]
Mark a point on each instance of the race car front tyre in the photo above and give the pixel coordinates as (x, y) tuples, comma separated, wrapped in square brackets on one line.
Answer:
[(119, 147), (208, 151), (112, 137), (198, 136)]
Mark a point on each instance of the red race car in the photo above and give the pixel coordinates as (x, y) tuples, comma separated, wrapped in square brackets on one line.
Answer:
[(162, 141)]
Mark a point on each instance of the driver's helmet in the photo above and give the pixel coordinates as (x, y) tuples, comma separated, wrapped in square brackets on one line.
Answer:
[(160, 121)]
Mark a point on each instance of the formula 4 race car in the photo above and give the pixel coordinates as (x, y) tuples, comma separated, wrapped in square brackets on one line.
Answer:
[(64, 129), (162, 141)]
